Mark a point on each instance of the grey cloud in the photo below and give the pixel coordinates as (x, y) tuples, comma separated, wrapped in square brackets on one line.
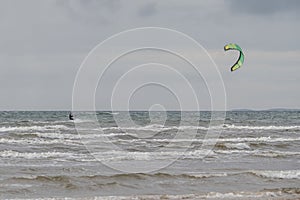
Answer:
[(96, 4), (263, 7), (42, 44), (90, 10), (148, 9), (90, 5)]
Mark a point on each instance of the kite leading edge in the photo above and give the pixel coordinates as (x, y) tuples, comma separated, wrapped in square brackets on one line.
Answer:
[(240, 60)]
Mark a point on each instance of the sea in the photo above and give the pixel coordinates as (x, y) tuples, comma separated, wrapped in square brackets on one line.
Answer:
[(149, 155)]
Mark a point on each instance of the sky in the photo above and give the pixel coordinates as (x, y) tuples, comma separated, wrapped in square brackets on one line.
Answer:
[(43, 44)]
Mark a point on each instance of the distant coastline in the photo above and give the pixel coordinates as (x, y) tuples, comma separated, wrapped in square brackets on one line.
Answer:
[(142, 110), (272, 109)]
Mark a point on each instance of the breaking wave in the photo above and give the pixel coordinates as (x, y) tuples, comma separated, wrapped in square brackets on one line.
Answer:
[(288, 174), (33, 128)]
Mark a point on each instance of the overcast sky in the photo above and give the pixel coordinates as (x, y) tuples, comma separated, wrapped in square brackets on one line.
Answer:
[(43, 43)]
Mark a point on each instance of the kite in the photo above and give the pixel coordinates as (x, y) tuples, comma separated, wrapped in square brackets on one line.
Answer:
[(240, 61)]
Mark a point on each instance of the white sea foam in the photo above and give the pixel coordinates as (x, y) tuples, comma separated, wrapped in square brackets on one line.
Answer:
[(274, 154), (236, 151), (259, 139), (52, 135), (111, 113), (33, 128), (37, 141), (15, 185), (214, 140), (262, 127), (34, 155), (287, 174), (258, 153), (237, 139), (77, 120), (159, 127), (60, 135), (152, 127), (123, 155), (237, 146), (211, 195), (207, 175)]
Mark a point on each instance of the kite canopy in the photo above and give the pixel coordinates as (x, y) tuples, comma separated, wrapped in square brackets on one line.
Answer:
[(240, 61)]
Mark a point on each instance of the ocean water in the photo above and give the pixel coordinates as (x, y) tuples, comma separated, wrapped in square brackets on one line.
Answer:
[(254, 155)]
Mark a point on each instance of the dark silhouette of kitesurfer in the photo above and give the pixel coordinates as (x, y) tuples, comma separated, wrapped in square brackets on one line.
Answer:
[(71, 117)]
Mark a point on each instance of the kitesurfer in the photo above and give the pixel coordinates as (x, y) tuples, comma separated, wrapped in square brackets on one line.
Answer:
[(71, 117)]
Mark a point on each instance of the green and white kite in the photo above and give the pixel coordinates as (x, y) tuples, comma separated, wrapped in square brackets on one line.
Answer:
[(240, 61)]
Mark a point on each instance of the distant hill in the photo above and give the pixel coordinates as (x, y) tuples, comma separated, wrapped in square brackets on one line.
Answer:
[(282, 109), (272, 109), (244, 110)]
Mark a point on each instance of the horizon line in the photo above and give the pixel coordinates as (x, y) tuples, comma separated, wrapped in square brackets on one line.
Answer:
[(143, 110)]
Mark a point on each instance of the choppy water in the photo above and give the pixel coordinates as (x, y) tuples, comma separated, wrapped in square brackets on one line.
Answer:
[(256, 156)]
